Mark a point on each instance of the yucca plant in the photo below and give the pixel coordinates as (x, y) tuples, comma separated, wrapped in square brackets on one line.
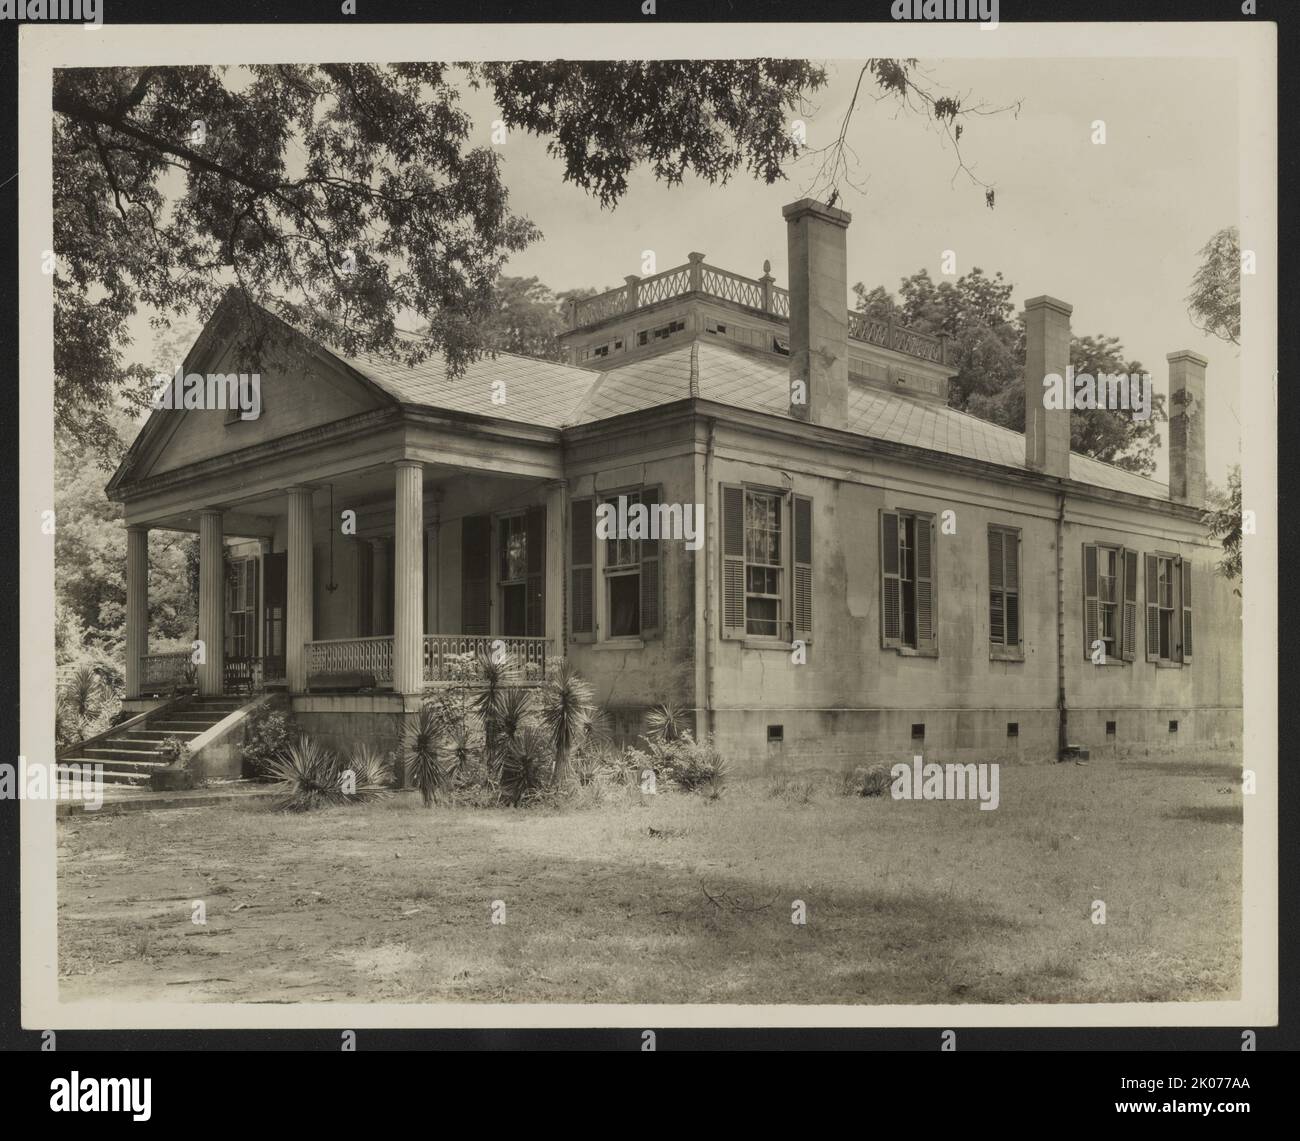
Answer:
[(525, 761), (80, 705), (371, 772), (494, 679), (665, 722), (420, 755), (458, 749), (307, 777), (566, 706)]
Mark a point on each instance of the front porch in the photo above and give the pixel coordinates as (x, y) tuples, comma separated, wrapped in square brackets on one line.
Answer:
[(339, 588)]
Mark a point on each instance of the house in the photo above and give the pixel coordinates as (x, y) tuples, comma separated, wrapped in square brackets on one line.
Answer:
[(877, 573)]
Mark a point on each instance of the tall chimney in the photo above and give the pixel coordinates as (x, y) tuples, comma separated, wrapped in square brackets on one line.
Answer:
[(1187, 427), (1047, 352), (819, 312)]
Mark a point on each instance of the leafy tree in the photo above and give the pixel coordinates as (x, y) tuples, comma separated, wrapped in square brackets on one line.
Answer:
[(1214, 304), (986, 345), (341, 195), (1223, 518)]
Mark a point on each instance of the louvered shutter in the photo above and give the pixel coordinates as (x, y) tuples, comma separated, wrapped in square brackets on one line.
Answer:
[(535, 598), (582, 548), (1153, 609), (1185, 598), (650, 578), (1090, 620), (1128, 627), (997, 588), (927, 633), (803, 580), (891, 587), (1011, 580), (476, 574), (733, 560)]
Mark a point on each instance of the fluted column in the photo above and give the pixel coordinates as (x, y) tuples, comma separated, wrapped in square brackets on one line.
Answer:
[(379, 586), (298, 603), (212, 581), (137, 605), (408, 578)]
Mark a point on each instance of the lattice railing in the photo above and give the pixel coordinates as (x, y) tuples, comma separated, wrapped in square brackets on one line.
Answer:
[(164, 669), (455, 657), (371, 658), (760, 295)]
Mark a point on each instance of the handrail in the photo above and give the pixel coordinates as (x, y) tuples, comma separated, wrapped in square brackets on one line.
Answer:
[(758, 294)]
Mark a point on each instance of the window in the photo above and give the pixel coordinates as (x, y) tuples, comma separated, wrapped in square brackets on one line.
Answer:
[(775, 734), (907, 578), (1013, 728), (623, 578), (661, 332), (512, 574), (767, 552), (1169, 609), (1109, 603), (1110, 728), (613, 581), (1173, 726), (241, 608), (763, 563), (1004, 591), (918, 731)]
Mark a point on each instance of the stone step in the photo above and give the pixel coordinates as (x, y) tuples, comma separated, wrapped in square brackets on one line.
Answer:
[(121, 776), (157, 735), (145, 767), (116, 753), (168, 726)]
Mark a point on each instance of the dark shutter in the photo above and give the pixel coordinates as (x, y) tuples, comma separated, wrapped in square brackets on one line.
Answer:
[(650, 578), (927, 634), (1153, 609), (803, 573), (535, 552), (582, 550), (1185, 597), (1090, 616), (733, 560), (891, 586), (1011, 579), (1128, 627), (997, 588), (476, 574)]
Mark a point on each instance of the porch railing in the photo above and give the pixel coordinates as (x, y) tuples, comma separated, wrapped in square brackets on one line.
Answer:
[(454, 657), (359, 663), (754, 293), (355, 661), (162, 671)]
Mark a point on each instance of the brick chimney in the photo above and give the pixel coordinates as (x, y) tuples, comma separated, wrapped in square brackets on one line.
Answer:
[(819, 313), (1047, 352), (1187, 427)]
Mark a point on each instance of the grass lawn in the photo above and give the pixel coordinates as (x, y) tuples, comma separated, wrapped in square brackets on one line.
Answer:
[(674, 898)]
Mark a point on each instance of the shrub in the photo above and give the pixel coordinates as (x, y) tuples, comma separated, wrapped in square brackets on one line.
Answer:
[(176, 751), (310, 776), (420, 760), (369, 767), (693, 766), (873, 780), (266, 740), (85, 704)]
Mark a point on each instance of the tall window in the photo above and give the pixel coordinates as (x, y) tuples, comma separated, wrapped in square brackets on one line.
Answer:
[(623, 578), (1169, 609), (1108, 599), (1004, 588), (907, 576), (1165, 606), (512, 576), (763, 563), (241, 605), (1110, 588)]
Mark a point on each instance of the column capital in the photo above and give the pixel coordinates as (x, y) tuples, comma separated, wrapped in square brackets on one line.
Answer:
[(137, 528), (298, 488), (210, 511), (409, 463)]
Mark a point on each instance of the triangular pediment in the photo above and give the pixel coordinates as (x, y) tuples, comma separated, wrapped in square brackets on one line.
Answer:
[(301, 386)]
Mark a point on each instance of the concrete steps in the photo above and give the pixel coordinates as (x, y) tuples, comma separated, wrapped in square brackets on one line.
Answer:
[(129, 757)]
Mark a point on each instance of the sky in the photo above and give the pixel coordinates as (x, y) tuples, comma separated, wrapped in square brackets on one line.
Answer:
[(1114, 229)]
